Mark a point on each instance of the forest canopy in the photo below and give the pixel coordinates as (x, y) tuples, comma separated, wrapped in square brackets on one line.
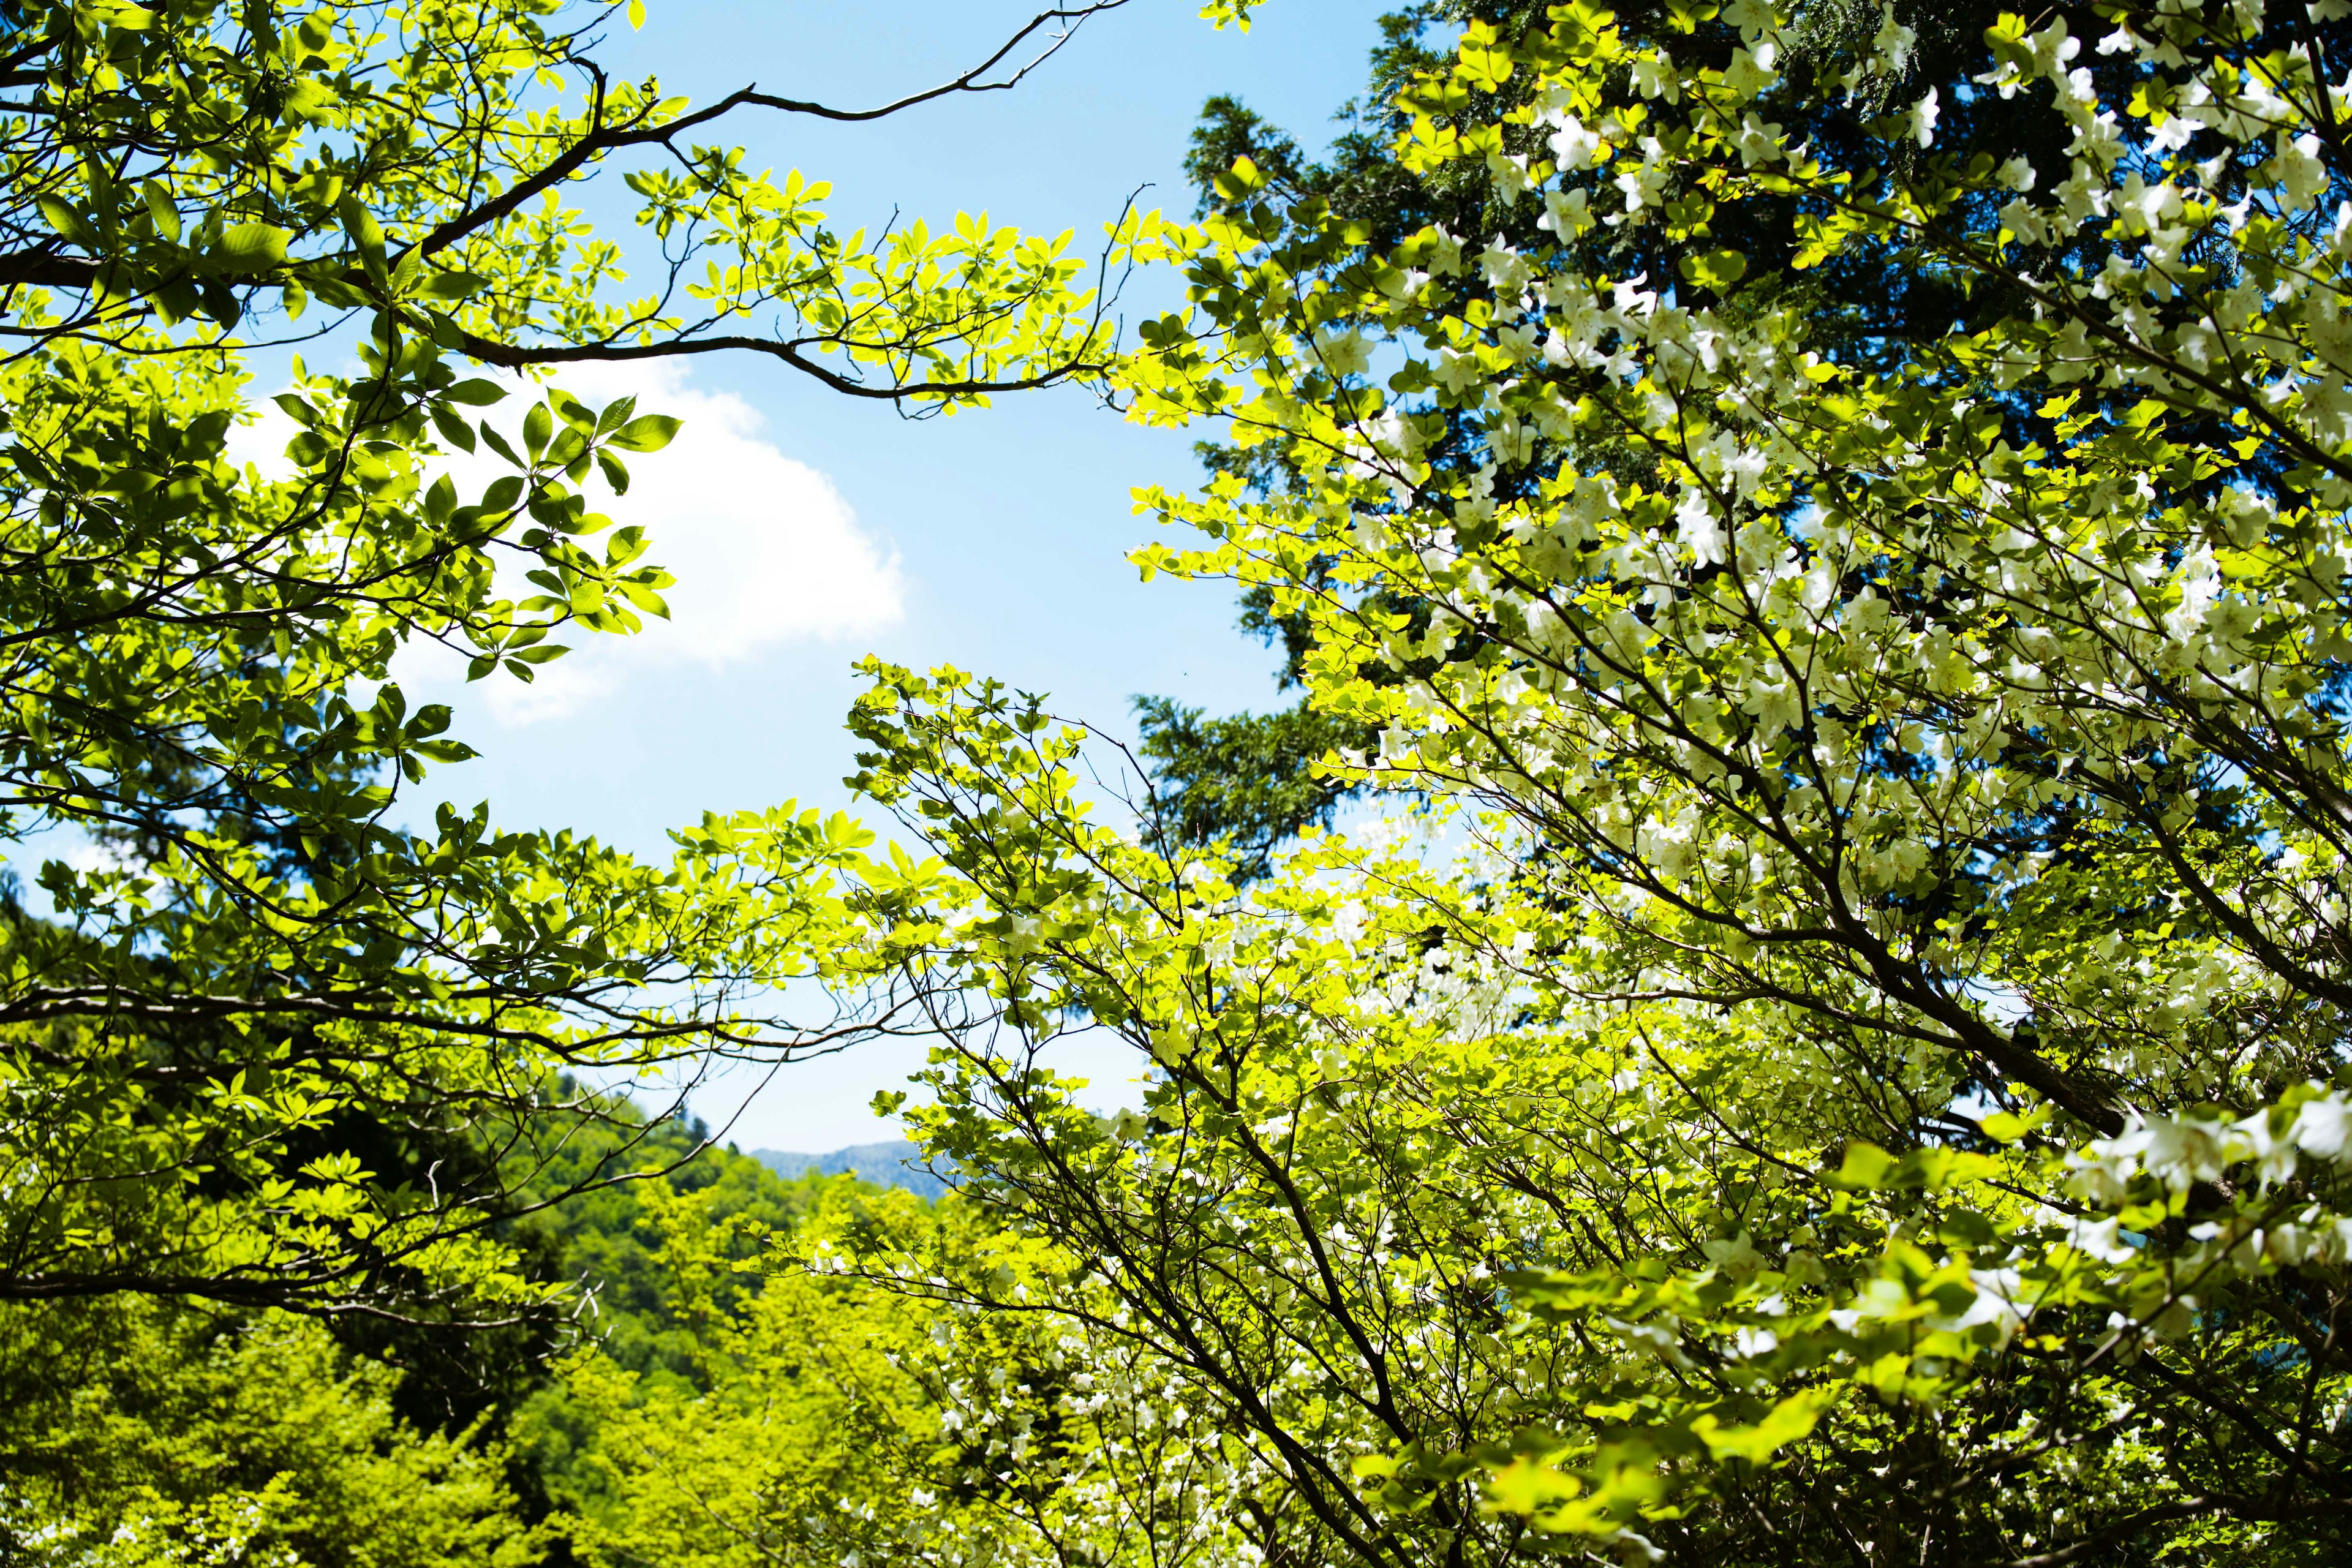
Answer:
[(1779, 999)]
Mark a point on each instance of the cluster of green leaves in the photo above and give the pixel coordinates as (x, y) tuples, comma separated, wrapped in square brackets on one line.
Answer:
[(1847, 1059), (200, 163), (271, 1047)]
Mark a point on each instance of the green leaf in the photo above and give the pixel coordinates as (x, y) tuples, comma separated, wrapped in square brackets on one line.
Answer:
[(2005, 1127), (452, 286), (454, 430), (161, 209), (309, 99), (1791, 1420), (616, 476), (646, 433), (1240, 180), (366, 235), (68, 222), (616, 414), (499, 444), (220, 302), (120, 13), (1716, 270), (570, 410), (1866, 1166), (441, 500), (249, 247)]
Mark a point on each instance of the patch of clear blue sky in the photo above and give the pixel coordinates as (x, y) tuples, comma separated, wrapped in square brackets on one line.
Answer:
[(1010, 523)]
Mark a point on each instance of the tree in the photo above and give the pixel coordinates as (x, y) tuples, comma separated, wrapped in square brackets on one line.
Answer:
[(1838, 67), (1249, 781), (143, 1433), (280, 1049), (1856, 1069)]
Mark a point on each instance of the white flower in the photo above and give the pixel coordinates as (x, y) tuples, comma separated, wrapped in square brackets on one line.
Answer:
[(2101, 1175), (1699, 530), (1457, 372), (1575, 146), (2024, 219), (1752, 70), (1636, 1550), (2053, 50), (1444, 253), (2323, 1127), (1343, 350), (1510, 173), (2273, 1157), (1745, 470), (2297, 169), (1774, 708), (1923, 115), (1654, 77), (2098, 142), (1506, 271), (1646, 186), (1394, 436), (2083, 195), (2180, 1153), (1890, 50), (1759, 142), (1566, 213), (1405, 285), (1997, 1290), (2177, 131)]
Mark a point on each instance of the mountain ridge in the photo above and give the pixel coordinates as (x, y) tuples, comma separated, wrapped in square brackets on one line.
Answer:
[(891, 1163)]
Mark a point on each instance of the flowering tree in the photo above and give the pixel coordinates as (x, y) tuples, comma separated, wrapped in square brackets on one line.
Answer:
[(1858, 1072)]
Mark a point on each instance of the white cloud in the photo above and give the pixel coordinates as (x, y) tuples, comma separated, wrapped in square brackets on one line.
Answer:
[(765, 550)]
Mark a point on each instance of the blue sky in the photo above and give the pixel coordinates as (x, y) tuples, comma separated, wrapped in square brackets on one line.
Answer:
[(809, 530)]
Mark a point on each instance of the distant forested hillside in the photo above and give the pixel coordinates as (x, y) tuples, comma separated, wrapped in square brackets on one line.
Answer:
[(898, 1164)]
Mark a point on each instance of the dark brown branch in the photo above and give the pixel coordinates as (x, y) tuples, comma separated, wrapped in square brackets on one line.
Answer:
[(512, 356), (45, 269), (968, 82)]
